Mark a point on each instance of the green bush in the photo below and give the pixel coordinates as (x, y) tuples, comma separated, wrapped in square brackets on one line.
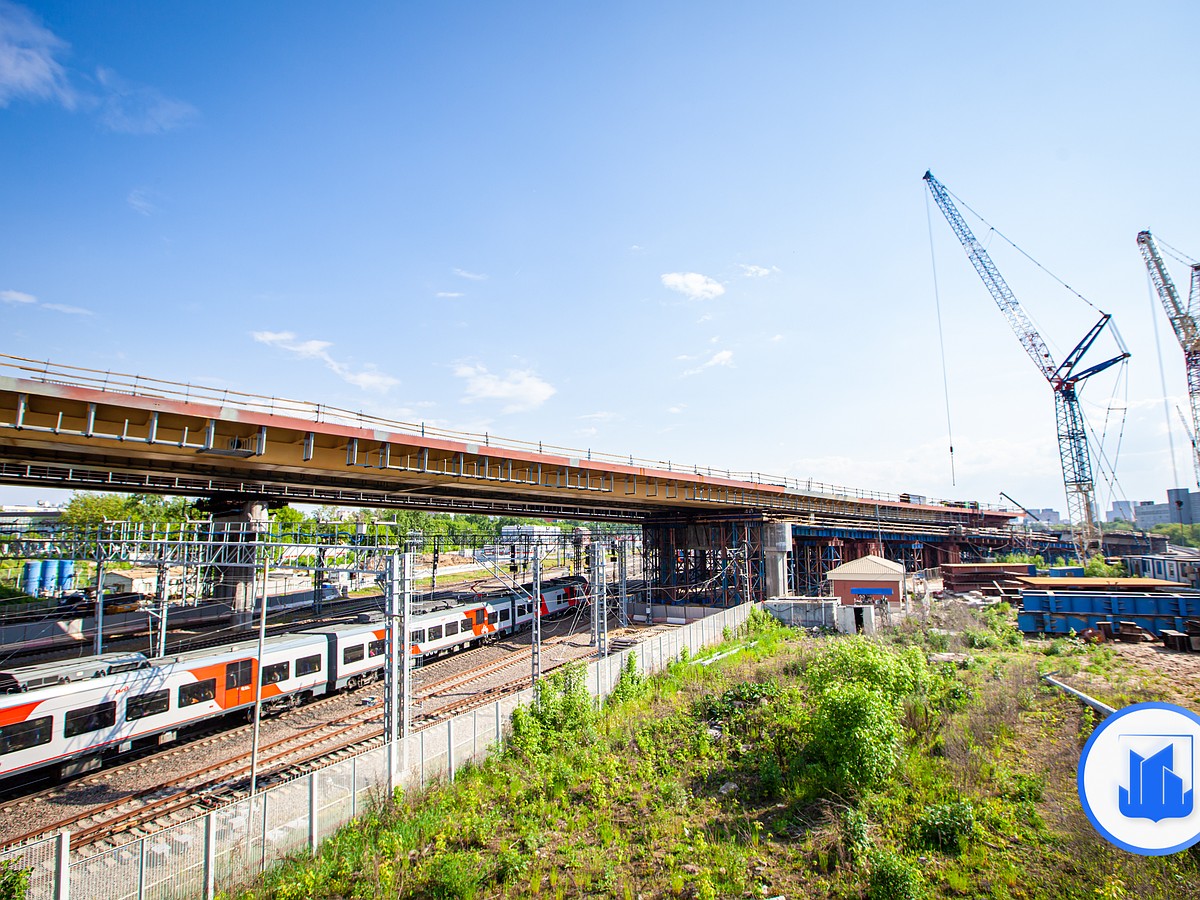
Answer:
[(453, 875), (894, 878), (946, 827), (562, 715), (862, 661), (14, 881), (856, 737)]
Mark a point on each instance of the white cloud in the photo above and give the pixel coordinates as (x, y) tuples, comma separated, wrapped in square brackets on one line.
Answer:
[(599, 416), (757, 271), (518, 391), (20, 297), (369, 379), (636, 248), (775, 338), (69, 310), (707, 317), (693, 284), (720, 358), (448, 294), (131, 108), (139, 200), (29, 69), (470, 276), (676, 410)]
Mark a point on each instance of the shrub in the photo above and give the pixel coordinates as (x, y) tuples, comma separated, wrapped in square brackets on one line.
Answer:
[(562, 714), (14, 881), (862, 661), (894, 878), (946, 826), (453, 875), (630, 683), (856, 737)]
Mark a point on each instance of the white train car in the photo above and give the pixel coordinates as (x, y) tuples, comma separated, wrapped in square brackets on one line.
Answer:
[(74, 724)]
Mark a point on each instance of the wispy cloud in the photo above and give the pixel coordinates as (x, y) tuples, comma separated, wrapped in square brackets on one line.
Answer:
[(720, 358), (602, 416), (757, 271), (140, 201), (369, 378), (131, 108), (20, 298), (31, 70), (518, 390), (693, 284), (449, 294), (470, 276)]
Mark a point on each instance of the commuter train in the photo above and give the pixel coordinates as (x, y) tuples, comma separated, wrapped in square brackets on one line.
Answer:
[(73, 714)]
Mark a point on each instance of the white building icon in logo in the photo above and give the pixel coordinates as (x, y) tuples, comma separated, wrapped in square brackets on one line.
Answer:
[(1136, 778)]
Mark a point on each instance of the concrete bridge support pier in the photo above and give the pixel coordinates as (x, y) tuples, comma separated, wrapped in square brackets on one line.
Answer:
[(240, 528)]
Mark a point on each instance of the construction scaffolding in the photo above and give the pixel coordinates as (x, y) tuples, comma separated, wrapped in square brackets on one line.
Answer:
[(704, 561)]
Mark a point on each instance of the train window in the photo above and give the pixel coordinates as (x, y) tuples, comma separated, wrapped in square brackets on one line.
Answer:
[(522, 610), (435, 632), (353, 654), (90, 718), (23, 735), (239, 674), (307, 665), (504, 616), (492, 618), (376, 648), (480, 615), (417, 636), (150, 704), (200, 692), (276, 672), (451, 629)]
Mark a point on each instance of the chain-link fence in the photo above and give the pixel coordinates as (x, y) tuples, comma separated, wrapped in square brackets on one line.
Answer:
[(236, 842)]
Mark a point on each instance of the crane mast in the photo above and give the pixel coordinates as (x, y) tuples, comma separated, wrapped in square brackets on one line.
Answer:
[(1073, 451), (1183, 321)]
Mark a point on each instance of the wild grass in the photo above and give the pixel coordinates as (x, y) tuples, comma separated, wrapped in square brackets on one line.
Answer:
[(839, 767)]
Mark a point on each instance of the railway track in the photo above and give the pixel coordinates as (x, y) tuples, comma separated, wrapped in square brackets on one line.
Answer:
[(125, 802)]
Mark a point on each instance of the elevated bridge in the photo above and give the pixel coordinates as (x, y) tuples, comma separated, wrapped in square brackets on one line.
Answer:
[(74, 428)]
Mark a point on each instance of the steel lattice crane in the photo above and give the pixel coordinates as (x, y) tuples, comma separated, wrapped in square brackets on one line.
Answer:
[(1063, 379), (1183, 321)]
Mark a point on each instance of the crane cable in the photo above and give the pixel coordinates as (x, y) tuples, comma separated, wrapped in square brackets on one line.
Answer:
[(937, 300), (1162, 376), (1004, 237), (1175, 253)]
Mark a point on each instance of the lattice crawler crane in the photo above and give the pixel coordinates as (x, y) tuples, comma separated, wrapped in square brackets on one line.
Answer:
[(1064, 380), (1183, 320)]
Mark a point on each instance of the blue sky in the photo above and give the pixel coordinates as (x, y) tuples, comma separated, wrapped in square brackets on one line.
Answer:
[(686, 231)]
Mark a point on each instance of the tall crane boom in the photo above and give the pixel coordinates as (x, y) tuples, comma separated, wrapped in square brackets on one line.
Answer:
[(1183, 321), (1073, 452)]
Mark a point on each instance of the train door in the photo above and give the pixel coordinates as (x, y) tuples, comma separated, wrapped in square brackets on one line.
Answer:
[(239, 683)]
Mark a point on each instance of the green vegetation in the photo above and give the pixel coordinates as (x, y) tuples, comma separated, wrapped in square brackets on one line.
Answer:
[(923, 764)]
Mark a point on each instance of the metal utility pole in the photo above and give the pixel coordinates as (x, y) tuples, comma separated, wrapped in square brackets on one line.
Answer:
[(535, 640), (1073, 452), (599, 587), (398, 680), (258, 680), (622, 587), (1183, 321), (98, 640)]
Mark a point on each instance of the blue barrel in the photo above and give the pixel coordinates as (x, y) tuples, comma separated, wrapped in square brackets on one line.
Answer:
[(33, 577), (49, 575), (66, 575)]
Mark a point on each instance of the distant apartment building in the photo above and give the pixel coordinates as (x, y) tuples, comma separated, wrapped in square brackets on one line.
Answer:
[(1182, 507), (1122, 511), (1045, 517)]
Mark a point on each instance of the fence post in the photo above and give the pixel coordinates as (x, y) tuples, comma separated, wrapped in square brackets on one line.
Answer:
[(141, 888), (499, 730), (391, 769), (62, 866), (422, 733), (210, 852), (475, 734), (450, 749), (314, 818), (354, 787)]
